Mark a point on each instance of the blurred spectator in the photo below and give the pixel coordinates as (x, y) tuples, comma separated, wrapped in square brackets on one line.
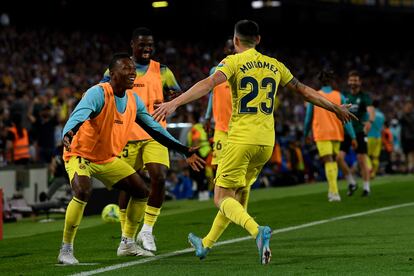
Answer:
[(386, 138), (180, 185), (44, 134), (407, 135), (197, 137), (17, 146), (397, 156)]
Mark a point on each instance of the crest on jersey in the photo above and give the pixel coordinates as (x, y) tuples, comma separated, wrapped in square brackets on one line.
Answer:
[(221, 64)]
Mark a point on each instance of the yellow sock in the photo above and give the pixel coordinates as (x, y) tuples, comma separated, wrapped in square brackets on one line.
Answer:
[(122, 215), (134, 213), (73, 217), (234, 211), (220, 224), (331, 171), (151, 215)]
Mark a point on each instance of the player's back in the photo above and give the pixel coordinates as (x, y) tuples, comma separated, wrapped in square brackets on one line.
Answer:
[(254, 79)]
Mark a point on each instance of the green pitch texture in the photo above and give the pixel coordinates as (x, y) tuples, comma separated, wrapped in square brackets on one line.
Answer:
[(375, 244)]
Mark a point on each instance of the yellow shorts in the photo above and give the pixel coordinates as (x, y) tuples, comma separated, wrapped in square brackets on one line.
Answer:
[(328, 147), (241, 164), (109, 173), (220, 142), (374, 146), (139, 153)]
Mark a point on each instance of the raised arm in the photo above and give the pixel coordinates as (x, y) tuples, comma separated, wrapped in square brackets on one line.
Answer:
[(313, 97), (197, 91)]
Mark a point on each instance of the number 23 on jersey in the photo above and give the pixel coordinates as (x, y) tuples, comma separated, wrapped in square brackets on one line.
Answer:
[(267, 85)]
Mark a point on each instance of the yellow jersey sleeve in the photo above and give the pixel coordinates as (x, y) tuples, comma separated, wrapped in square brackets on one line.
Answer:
[(228, 66), (285, 75)]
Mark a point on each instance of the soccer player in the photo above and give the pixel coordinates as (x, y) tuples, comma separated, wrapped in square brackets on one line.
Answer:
[(362, 108), (94, 135), (328, 131), (219, 104), (142, 151), (254, 79), (374, 138)]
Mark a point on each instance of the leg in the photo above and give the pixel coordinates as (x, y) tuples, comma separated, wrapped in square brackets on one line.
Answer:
[(136, 188), (249, 162), (123, 200), (362, 158), (340, 158), (156, 160), (326, 150), (158, 173), (331, 172), (220, 222), (79, 174), (365, 173), (375, 157), (131, 155)]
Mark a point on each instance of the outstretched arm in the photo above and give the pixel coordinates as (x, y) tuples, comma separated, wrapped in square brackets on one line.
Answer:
[(153, 128), (312, 96), (197, 91)]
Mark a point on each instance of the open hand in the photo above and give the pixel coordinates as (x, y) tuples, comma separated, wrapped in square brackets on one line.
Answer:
[(343, 113), (162, 110), (196, 162), (67, 140)]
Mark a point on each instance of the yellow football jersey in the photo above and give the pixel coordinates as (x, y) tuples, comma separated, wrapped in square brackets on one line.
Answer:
[(254, 79)]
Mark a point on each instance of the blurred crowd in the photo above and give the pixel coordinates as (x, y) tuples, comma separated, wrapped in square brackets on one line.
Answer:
[(43, 74)]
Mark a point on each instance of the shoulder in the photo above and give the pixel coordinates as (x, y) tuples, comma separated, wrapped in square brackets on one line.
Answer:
[(165, 70), (95, 90), (164, 67)]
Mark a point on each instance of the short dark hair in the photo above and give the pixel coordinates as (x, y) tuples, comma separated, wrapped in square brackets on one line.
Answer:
[(354, 73), (115, 58), (247, 31), (326, 76), (141, 31), (247, 28)]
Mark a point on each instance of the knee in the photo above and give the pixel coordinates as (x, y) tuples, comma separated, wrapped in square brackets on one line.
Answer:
[(158, 181), (217, 200), (143, 193), (83, 194)]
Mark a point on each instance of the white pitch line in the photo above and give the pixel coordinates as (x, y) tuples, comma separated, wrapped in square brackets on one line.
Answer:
[(282, 230)]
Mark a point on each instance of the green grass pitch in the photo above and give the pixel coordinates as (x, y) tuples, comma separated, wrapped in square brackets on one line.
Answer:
[(377, 243)]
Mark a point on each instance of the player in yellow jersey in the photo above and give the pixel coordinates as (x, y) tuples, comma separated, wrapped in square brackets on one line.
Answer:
[(254, 79)]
